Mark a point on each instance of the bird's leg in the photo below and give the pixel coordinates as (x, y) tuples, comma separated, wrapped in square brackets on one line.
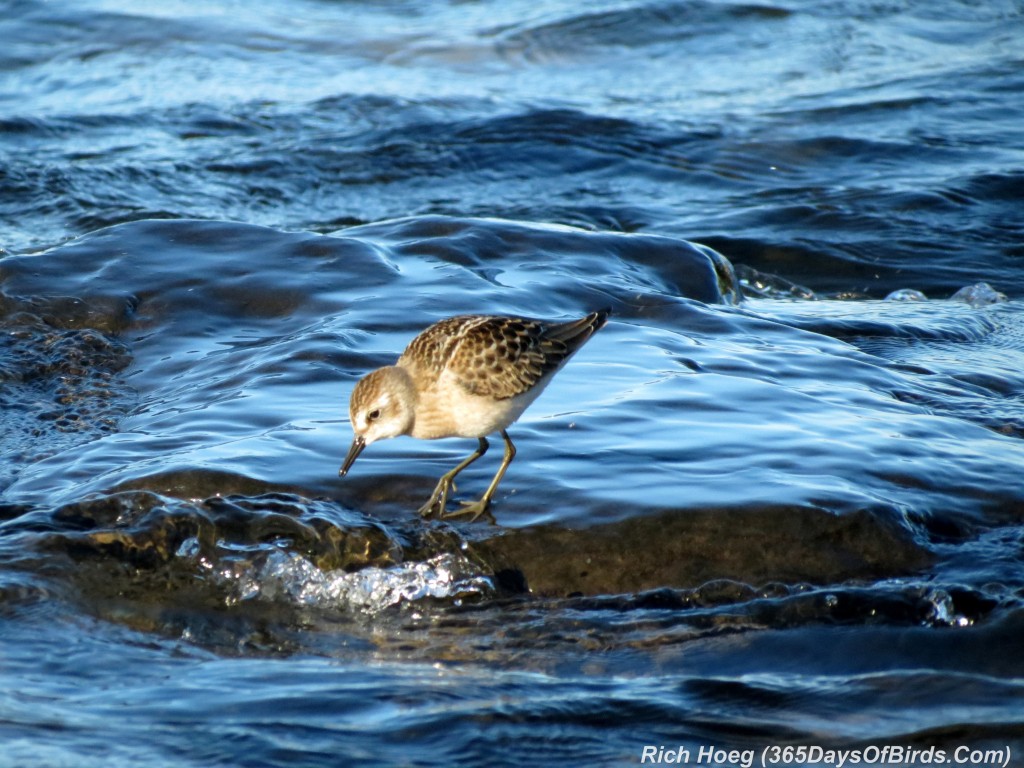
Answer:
[(439, 498), (478, 508)]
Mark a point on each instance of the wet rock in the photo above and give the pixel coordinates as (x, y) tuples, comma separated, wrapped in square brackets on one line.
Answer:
[(979, 295), (684, 549)]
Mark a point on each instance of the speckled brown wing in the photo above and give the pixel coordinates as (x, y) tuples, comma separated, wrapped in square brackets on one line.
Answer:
[(502, 357), (429, 353)]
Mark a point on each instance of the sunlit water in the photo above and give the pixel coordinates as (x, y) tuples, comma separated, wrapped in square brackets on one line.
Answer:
[(791, 518)]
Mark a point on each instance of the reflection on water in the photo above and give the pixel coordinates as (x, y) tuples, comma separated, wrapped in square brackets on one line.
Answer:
[(793, 518)]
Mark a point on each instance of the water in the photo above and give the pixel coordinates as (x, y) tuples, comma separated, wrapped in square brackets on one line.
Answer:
[(789, 519)]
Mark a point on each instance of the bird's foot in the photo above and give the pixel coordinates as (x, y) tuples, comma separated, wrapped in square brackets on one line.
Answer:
[(474, 509), (438, 499)]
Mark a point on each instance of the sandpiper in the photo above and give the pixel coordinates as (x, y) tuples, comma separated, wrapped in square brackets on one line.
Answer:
[(467, 376)]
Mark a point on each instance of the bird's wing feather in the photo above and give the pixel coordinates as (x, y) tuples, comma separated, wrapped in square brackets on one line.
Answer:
[(429, 352), (502, 357), (498, 357)]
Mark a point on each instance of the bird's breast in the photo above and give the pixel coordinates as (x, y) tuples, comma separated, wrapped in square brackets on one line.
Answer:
[(454, 412)]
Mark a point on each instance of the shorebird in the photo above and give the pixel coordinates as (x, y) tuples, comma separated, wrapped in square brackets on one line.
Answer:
[(467, 376)]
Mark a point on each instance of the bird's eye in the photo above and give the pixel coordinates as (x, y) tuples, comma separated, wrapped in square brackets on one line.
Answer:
[(373, 415)]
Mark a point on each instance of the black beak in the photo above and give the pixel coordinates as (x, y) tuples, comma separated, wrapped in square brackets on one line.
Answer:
[(353, 453)]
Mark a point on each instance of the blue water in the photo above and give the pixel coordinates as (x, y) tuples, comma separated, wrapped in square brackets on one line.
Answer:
[(776, 501)]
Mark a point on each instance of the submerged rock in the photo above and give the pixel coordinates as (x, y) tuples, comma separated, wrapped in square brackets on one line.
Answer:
[(979, 295), (686, 548), (906, 294)]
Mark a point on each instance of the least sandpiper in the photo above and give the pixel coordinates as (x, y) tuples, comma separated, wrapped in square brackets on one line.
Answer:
[(467, 376)]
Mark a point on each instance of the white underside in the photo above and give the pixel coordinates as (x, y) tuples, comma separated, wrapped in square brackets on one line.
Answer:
[(447, 410)]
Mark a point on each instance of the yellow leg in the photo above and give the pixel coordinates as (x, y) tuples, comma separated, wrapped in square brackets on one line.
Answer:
[(478, 508), (439, 499)]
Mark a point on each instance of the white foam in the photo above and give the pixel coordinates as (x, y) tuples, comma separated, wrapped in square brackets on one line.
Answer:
[(282, 575)]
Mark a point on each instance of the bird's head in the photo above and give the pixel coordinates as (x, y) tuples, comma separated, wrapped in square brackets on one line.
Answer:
[(383, 405)]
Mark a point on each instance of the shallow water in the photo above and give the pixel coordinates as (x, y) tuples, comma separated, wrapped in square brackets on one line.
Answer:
[(793, 518)]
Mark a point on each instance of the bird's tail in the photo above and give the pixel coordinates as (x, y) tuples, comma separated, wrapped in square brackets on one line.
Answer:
[(575, 333)]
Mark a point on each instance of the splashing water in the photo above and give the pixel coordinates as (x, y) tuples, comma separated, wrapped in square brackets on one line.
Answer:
[(281, 575)]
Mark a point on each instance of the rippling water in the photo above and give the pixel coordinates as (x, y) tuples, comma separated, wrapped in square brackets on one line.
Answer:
[(773, 503)]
